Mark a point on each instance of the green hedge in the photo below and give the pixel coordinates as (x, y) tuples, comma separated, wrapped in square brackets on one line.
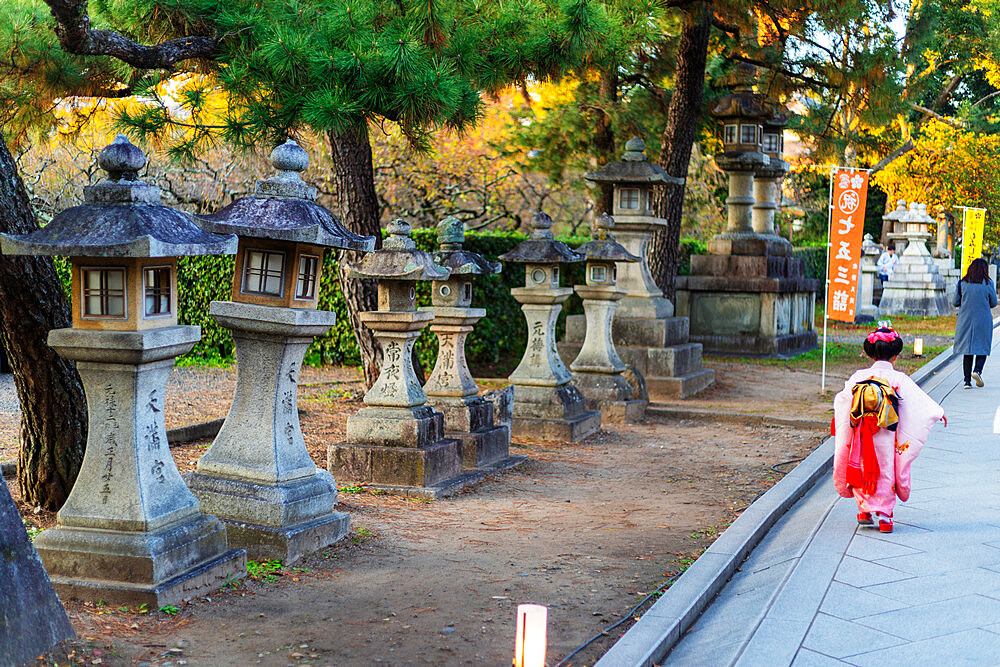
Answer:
[(501, 334)]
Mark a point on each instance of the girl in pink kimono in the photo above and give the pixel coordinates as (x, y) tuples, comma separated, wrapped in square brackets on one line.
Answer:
[(881, 421)]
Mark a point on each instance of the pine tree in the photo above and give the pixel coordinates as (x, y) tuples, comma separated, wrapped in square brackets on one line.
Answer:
[(337, 67)]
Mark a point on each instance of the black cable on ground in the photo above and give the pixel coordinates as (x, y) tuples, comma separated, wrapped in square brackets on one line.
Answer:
[(604, 633), (784, 463)]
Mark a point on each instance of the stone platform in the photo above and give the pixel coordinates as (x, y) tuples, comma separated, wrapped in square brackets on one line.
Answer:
[(738, 314), (657, 349)]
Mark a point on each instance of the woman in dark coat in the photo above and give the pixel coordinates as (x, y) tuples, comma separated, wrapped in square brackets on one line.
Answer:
[(975, 296)]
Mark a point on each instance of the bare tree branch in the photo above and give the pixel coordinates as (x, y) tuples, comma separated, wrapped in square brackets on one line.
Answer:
[(902, 150), (957, 124), (76, 36)]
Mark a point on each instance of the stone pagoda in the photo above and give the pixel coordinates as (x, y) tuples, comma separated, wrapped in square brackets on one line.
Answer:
[(451, 389), (258, 476), (645, 332), (748, 295), (396, 442), (130, 532), (547, 405), (915, 287), (598, 371)]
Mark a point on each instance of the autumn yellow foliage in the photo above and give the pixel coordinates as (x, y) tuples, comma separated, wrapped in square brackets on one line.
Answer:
[(948, 168)]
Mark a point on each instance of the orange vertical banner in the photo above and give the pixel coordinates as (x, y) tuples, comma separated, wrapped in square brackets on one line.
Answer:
[(847, 224)]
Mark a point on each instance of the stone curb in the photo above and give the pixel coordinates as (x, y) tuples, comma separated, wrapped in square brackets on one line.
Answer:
[(175, 436), (655, 633), (196, 431), (664, 410)]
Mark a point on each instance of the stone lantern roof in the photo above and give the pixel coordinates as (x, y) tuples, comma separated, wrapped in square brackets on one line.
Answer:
[(121, 217), (284, 208), (541, 247), (451, 235), (634, 168), (398, 259), (602, 246), (743, 102)]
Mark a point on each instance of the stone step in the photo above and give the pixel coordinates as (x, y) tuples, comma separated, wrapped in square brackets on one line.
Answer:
[(639, 331), (674, 361), (558, 430), (679, 387)]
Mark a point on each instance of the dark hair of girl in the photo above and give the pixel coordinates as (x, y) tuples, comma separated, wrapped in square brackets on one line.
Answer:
[(881, 350), (978, 272)]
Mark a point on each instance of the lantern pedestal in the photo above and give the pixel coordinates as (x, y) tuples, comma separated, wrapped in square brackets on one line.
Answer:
[(547, 406), (453, 392), (397, 442), (131, 532), (258, 476), (915, 286), (598, 371), (748, 295)]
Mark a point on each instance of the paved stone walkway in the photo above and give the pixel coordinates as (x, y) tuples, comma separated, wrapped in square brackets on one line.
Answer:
[(819, 590)]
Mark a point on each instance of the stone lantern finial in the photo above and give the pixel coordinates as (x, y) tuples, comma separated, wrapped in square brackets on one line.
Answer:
[(451, 233), (289, 160), (601, 229), (399, 236), (541, 226), (635, 150), (122, 160)]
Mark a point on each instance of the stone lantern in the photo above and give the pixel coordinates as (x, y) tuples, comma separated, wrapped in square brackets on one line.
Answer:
[(396, 442), (892, 223), (547, 405), (915, 287), (258, 476), (767, 179), (598, 371), (646, 334), (749, 295), (450, 388), (130, 531)]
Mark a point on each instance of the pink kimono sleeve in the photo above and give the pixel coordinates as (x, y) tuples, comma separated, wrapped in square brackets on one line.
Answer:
[(918, 413), (842, 439)]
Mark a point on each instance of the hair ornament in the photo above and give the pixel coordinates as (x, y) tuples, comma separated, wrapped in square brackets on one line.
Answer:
[(884, 336)]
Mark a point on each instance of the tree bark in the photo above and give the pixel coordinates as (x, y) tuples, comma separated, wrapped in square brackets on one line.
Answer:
[(604, 138), (358, 209), (677, 139), (53, 410)]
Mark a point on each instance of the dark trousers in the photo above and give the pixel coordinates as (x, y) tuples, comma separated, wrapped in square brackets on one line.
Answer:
[(967, 365)]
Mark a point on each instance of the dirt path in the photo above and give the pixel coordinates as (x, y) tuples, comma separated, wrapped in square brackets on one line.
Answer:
[(587, 529)]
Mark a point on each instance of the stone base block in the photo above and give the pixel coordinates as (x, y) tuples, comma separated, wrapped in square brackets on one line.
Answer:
[(616, 399), (747, 244), (443, 489), (538, 402), (286, 520), (420, 467), (289, 544), (177, 562), (502, 465), (917, 302), (463, 415), (395, 427), (483, 448), (571, 429), (633, 331), (757, 346), (685, 386)]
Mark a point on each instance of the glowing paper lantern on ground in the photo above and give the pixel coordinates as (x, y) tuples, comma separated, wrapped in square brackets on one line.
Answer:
[(529, 648)]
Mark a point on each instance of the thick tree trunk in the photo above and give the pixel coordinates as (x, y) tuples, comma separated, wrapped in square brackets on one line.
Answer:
[(358, 209), (677, 140), (53, 409), (604, 138)]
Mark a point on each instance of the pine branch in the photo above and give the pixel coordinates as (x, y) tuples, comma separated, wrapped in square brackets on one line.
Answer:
[(76, 36)]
